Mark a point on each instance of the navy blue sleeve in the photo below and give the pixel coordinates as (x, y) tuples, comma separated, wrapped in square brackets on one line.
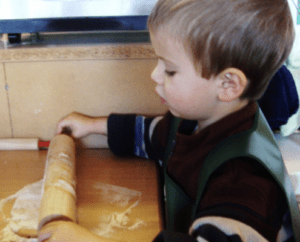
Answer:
[(130, 135), (120, 130)]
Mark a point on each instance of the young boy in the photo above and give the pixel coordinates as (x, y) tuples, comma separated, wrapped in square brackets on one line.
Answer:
[(224, 177)]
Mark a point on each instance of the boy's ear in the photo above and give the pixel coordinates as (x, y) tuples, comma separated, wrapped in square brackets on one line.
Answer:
[(232, 83)]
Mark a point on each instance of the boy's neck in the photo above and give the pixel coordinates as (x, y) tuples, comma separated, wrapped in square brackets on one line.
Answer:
[(223, 110)]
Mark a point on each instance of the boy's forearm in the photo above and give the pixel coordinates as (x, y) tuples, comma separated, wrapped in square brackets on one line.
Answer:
[(99, 125)]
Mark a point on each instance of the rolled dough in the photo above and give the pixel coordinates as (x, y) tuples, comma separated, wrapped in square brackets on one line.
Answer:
[(23, 218), (24, 214), (25, 211)]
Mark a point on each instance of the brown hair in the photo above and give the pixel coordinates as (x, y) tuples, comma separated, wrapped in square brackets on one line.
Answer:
[(255, 36)]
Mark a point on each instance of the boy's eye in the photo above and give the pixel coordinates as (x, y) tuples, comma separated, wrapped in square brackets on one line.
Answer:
[(170, 73)]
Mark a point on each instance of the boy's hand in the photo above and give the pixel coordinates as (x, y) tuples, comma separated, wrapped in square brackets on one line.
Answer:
[(82, 125), (78, 123), (62, 231)]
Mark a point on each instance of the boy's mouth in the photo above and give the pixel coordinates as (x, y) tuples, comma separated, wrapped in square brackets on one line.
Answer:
[(163, 101)]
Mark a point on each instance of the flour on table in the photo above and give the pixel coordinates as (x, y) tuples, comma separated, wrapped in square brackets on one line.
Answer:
[(120, 196), (24, 213), (118, 203), (109, 223)]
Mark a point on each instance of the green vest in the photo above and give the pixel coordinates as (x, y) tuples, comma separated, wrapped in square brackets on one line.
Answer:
[(257, 143)]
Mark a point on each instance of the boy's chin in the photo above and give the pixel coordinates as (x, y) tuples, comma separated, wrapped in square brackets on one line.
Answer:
[(175, 114)]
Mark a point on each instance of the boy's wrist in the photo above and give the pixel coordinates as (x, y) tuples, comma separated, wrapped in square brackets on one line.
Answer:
[(99, 125)]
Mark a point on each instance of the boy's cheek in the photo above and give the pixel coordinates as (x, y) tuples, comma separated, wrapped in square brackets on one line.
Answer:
[(167, 82)]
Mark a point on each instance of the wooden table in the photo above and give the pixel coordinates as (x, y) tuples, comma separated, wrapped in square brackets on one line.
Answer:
[(93, 166)]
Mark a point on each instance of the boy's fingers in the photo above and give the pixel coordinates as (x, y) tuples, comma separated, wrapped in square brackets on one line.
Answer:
[(43, 235), (58, 130), (46, 232), (61, 125)]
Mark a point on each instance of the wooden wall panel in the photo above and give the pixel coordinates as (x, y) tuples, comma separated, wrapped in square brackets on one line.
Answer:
[(41, 93), (5, 127)]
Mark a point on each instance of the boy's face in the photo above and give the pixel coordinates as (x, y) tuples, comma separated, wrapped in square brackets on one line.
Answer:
[(179, 85)]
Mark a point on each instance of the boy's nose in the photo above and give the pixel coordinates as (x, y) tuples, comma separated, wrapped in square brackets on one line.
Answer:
[(155, 76)]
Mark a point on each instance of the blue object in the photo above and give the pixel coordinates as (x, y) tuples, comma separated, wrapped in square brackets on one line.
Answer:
[(280, 101), (119, 23)]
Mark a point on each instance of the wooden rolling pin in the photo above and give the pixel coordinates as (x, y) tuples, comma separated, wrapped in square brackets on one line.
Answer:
[(59, 196)]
